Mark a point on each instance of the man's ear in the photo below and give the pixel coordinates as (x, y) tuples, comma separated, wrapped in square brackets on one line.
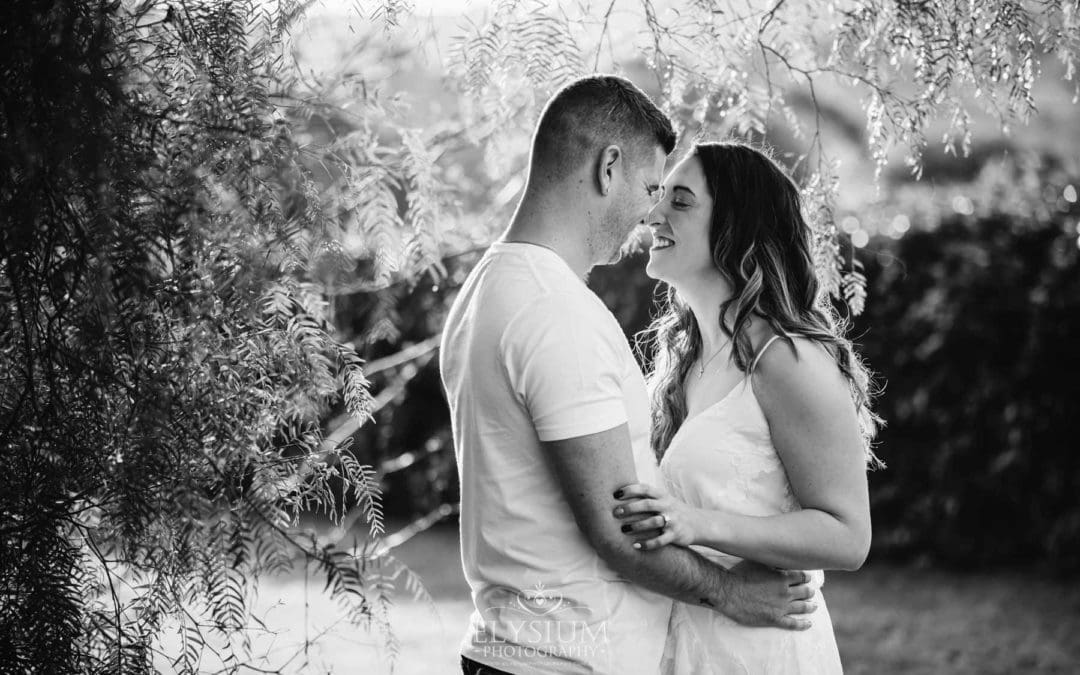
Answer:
[(610, 159)]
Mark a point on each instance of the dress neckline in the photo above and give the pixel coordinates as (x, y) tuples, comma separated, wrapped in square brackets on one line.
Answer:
[(743, 384)]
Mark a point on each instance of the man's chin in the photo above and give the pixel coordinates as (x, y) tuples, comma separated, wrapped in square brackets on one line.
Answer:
[(618, 255), (633, 243)]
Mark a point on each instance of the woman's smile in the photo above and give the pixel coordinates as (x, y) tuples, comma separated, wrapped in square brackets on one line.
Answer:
[(661, 242)]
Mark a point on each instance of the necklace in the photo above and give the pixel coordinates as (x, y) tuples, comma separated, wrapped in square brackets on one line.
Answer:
[(701, 368)]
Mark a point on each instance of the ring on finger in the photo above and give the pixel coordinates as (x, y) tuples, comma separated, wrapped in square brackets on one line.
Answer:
[(664, 521)]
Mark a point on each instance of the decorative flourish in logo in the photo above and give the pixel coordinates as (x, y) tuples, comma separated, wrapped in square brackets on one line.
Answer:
[(540, 602)]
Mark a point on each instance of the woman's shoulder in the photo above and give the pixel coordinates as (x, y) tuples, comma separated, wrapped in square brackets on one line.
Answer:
[(793, 365)]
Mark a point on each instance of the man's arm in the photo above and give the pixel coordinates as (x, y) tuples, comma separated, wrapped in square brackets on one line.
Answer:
[(590, 468)]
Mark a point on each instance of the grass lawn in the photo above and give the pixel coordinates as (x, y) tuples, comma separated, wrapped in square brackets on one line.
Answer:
[(888, 619)]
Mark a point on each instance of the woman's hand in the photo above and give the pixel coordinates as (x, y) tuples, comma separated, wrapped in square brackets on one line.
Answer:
[(653, 518)]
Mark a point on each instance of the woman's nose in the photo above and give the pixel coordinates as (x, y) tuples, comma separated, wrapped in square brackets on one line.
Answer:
[(654, 216)]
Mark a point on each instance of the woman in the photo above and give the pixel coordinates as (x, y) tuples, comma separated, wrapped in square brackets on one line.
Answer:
[(760, 408)]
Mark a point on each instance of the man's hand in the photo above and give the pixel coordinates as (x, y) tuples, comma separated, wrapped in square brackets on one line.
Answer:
[(756, 595)]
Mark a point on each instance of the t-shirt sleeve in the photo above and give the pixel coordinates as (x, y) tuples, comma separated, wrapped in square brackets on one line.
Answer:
[(565, 366)]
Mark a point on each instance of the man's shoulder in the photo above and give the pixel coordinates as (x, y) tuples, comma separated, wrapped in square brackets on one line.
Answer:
[(574, 311), (505, 286), (521, 300), (514, 272)]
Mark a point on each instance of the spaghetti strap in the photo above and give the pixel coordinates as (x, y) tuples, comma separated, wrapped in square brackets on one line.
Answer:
[(761, 352)]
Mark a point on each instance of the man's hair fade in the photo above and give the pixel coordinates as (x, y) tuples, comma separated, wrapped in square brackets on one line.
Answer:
[(593, 112)]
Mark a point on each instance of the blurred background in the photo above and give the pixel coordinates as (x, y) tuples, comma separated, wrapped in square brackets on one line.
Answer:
[(940, 153), (971, 322)]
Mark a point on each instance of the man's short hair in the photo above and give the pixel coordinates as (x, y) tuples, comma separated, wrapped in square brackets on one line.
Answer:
[(593, 112)]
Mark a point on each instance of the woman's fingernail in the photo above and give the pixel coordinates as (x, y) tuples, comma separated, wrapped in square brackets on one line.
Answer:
[(618, 494), (619, 511), (626, 528), (637, 545)]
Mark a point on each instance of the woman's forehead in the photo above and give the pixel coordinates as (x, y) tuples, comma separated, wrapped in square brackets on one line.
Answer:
[(687, 172)]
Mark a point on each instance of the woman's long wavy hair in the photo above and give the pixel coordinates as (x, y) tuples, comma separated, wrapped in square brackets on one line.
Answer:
[(761, 245)]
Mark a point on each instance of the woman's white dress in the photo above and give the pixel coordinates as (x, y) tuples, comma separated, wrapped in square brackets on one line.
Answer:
[(723, 459)]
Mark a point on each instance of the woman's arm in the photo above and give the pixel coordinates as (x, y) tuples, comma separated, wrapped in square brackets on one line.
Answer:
[(816, 433)]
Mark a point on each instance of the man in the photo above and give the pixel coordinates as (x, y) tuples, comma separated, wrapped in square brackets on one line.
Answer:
[(550, 416)]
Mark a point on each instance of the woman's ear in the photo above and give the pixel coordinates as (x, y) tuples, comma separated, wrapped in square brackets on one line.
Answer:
[(610, 159)]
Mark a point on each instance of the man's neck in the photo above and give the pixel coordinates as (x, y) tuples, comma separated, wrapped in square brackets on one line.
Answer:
[(560, 227)]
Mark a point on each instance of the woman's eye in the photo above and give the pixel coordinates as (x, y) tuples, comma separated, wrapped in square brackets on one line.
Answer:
[(679, 205)]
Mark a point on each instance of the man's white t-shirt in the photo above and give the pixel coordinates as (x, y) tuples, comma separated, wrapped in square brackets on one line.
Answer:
[(530, 354)]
